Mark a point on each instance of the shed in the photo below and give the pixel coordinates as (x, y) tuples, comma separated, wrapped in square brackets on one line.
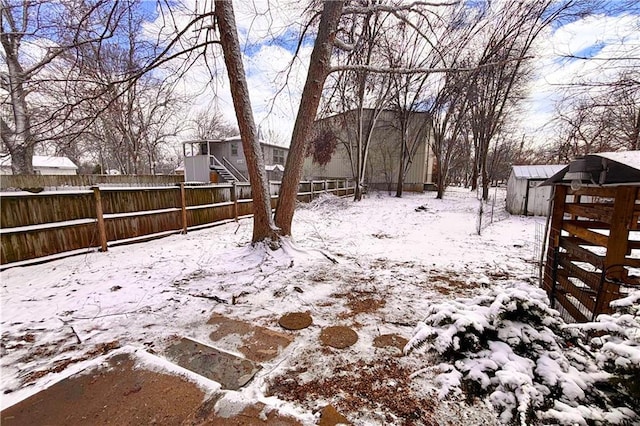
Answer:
[(524, 195), (593, 250)]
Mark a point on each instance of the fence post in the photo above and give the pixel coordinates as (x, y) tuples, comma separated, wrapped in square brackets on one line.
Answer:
[(183, 206), (234, 198), (324, 186), (102, 232), (311, 189)]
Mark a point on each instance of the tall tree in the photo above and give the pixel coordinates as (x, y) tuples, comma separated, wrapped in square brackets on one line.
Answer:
[(50, 30), (504, 53), (264, 228), (319, 67)]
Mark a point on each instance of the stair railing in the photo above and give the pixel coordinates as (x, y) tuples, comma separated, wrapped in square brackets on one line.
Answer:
[(234, 171)]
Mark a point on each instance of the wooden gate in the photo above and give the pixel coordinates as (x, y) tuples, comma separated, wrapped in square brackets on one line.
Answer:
[(593, 244)]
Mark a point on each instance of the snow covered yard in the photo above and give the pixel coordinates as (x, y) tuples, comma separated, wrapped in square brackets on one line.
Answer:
[(376, 266)]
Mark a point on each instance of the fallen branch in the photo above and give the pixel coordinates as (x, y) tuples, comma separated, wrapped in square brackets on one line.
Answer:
[(206, 296)]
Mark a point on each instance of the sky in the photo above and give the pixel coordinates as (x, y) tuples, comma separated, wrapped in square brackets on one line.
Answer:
[(276, 90), (597, 37)]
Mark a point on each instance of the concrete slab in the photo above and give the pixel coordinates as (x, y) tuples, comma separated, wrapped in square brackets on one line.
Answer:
[(257, 343), (115, 393), (230, 371)]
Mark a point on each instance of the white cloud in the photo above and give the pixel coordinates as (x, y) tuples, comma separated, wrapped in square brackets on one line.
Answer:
[(596, 37), (267, 34)]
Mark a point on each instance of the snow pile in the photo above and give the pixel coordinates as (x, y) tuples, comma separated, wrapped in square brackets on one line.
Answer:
[(509, 346), (326, 202)]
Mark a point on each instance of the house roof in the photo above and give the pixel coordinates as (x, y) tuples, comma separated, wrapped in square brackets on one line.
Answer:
[(43, 161), (603, 168), (536, 171), (233, 139)]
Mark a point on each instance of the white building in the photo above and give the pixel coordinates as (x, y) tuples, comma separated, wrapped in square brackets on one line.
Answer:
[(524, 196), (42, 165)]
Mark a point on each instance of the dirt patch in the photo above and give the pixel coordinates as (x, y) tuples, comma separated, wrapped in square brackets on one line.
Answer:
[(331, 417), (382, 386), (450, 284), (62, 364), (360, 302)]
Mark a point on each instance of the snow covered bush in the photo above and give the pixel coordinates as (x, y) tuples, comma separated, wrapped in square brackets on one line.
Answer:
[(615, 341), (511, 347)]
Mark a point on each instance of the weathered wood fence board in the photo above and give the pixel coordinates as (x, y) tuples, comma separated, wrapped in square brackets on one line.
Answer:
[(49, 223), (590, 250), (46, 208), (12, 182)]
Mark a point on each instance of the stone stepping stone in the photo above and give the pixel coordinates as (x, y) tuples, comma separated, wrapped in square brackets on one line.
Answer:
[(295, 320), (390, 341), (230, 371), (258, 344), (331, 417), (338, 337)]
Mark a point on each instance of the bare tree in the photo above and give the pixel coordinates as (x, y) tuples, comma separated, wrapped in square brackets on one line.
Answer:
[(210, 124), (599, 116), (264, 228), (319, 67), (494, 89), (51, 30)]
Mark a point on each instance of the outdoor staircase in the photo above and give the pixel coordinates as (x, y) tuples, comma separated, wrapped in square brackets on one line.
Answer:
[(224, 173)]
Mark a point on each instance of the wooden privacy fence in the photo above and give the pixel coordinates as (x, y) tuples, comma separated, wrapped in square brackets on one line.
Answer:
[(593, 243), (16, 182), (49, 223)]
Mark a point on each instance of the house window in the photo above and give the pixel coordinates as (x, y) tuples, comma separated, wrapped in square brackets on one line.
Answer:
[(278, 156), (234, 149)]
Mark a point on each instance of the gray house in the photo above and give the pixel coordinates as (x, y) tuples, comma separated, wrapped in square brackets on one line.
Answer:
[(384, 153), (223, 160), (524, 195)]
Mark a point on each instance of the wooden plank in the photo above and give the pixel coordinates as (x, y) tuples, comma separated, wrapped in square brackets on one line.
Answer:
[(618, 247), (592, 279), (101, 228), (595, 212), (574, 311), (589, 224), (578, 229), (555, 230), (584, 255), (585, 295), (632, 262), (183, 208), (595, 191)]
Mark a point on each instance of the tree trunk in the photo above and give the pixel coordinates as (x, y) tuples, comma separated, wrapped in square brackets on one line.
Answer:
[(263, 225), (403, 154), (485, 183), (18, 140), (319, 67), (22, 159)]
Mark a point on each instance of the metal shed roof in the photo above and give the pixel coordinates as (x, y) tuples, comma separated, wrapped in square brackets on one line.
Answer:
[(536, 171), (603, 168)]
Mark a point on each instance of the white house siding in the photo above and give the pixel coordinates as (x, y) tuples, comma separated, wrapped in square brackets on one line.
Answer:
[(42, 165)]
